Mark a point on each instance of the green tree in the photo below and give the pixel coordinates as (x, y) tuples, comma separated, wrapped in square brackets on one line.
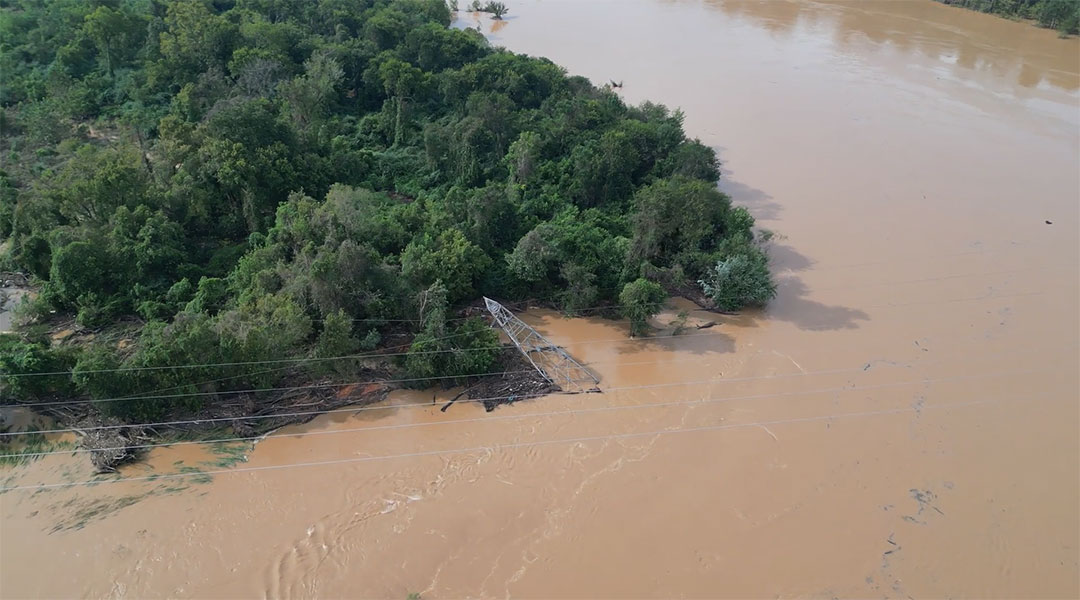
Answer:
[(400, 80), (115, 32), (211, 296), (574, 254), (469, 349), (497, 9), (603, 170), (675, 218), (740, 280), (335, 340), (80, 268), (386, 28), (194, 39), (96, 374), (1063, 15), (19, 357), (639, 301), (434, 48), (35, 255), (450, 257), (691, 159), (309, 95), (148, 243), (94, 183)]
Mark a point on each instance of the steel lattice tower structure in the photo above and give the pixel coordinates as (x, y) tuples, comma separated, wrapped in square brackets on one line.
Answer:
[(551, 361)]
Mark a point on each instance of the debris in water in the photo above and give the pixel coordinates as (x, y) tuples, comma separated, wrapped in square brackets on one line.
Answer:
[(518, 382), (453, 400)]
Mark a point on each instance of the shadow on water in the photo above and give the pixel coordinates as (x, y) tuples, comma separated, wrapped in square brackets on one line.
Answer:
[(760, 204), (783, 257), (791, 304)]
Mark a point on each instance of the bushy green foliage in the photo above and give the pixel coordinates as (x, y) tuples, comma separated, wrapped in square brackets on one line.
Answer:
[(679, 217), (497, 9), (639, 300), (334, 341), (1062, 15), (270, 180), (467, 349), (741, 279), (443, 351), (19, 357), (450, 257)]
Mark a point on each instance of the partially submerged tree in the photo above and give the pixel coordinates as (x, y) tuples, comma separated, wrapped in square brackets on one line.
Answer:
[(497, 9), (740, 280), (640, 300)]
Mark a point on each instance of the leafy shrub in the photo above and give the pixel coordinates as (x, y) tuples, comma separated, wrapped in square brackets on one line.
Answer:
[(740, 280), (20, 357), (640, 300)]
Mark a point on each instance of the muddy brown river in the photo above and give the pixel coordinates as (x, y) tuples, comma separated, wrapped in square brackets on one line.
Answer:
[(902, 421)]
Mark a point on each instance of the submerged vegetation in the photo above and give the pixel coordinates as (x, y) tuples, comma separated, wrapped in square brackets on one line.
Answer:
[(259, 180), (1062, 15), (497, 9), (28, 447)]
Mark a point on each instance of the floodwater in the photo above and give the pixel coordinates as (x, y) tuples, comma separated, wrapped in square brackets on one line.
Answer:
[(901, 421)]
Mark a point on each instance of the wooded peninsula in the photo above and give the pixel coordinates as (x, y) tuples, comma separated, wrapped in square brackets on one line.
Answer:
[(220, 196)]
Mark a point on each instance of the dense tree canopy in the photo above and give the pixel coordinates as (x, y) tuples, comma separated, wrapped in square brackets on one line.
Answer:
[(1062, 15), (258, 179)]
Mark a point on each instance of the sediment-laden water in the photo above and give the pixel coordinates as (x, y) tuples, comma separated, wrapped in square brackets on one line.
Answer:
[(901, 421)]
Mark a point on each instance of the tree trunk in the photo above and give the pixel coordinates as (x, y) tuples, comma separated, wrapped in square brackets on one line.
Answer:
[(398, 128), (142, 150)]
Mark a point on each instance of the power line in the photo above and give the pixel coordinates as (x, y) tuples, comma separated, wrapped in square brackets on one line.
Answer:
[(379, 354), (355, 409), (372, 354), (510, 446), (378, 381), (345, 357), (269, 390), (598, 409), (990, 296), (253, 374)]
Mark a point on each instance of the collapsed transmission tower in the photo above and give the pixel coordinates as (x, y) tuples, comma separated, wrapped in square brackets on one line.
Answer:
[(551, 361)]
